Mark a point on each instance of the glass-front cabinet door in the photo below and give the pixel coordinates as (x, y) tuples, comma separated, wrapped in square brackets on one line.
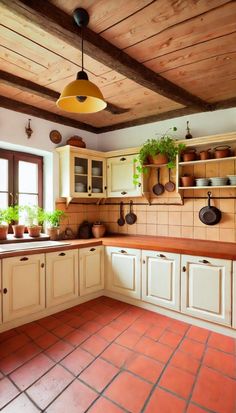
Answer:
[(98, 178), (88, 177), (80, 176)]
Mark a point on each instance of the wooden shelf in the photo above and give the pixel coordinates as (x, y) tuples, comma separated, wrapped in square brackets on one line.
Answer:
[(81, 174), (229, 158), (97, 176), (207, 187)]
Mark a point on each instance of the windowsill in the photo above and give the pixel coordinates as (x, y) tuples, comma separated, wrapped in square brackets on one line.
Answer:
[(10, 238)]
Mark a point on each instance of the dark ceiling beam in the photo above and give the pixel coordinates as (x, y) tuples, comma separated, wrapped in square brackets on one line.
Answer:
[(56, 22), (44, 92), (22, 107), (224, 104)]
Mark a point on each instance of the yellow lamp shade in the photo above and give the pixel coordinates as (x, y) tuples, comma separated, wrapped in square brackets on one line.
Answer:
[(81, 96)]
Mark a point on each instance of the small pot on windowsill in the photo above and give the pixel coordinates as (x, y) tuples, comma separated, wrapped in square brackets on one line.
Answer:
[(34, 231), (3, 231), (18, 230), (53, 233)]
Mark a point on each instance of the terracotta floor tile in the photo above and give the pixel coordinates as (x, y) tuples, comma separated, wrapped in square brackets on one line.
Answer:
[(128, 339), (215, 392), (20, 405), (47, 340), (116, 354), (104, 318), (75, 399), (91, 327), (108, 333), (31, 371), (8, 334), (99, 374), (154, 332), (221, 342), (118, 325), (100, 308), (177, 381), (12, 344), (77, 361), (35, 331), (154, 349), (223, 362), (139, 327), (192, 408), (76, 338), (170, 339), (59, 350), (76, 322), (198, 334), (49, 322), (49, 386), (62, 330), (185, 362), (164, 402), (133, 399), (89, 315), (193, 348), (178, 327), (145, 367), (19, 357), (103, 405), (94, 345), (7, 391)]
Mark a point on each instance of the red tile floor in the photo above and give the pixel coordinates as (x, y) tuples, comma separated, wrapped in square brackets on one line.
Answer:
[(106, 356)]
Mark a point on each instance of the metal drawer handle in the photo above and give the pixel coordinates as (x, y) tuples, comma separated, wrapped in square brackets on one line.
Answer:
[(24, 259), (161, 255), (62, 254), (92, 249), (123, 193), (204, 261), (123, 252)]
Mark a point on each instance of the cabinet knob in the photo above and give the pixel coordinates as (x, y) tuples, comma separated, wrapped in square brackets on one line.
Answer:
[(24, 259), (139, 184), (144, 262), (62, 254), (89, 194), (92, 249), (123, 252), (122, 159), (161, 255), (184, 269), (204, 262), (42, 265), (105, 187), (123, 193), (4, 290)]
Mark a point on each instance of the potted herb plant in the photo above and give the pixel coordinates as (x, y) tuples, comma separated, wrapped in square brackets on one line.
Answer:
[(14, 215), (5, 219), (35, 217), (53, 220), (158, 152)]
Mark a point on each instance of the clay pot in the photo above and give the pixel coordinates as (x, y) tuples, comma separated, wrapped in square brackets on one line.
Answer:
[(3, 231), (205, 155), (53, 233), (98, 230), (76, 141), (34, 231), (18, 230), (187, 181), (189, 155), (159, 159), (222, 151)]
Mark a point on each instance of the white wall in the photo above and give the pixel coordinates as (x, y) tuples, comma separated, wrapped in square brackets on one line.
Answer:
[(13, 137), (202, 124)]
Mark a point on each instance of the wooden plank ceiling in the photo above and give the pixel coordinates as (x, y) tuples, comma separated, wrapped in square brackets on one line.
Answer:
[(151, 59)]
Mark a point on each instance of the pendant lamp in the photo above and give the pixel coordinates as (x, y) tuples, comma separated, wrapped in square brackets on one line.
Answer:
[(81, 95)]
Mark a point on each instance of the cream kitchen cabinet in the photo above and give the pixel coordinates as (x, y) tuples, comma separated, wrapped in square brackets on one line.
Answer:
[(120, 173), (23, 286), (123, 271), (234, 296), (0, 292), (91, 269), (61, 277), (82, 173), (161, 279), (206, 288)]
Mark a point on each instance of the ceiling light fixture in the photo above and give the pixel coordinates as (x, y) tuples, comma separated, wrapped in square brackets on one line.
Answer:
[(81, 95)]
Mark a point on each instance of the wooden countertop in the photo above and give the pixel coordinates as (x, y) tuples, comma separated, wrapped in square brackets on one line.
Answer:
[(214, 249)]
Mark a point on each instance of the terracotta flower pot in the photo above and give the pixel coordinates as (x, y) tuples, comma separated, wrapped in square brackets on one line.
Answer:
[(189, 155), (18, 230), (3, 231), (187, 181), (98, 230), (34, 231), (158, 159), (53, 233)]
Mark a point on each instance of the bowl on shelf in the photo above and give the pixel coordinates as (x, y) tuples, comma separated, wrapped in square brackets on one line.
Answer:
[(96, 190), (79, 169), (232, 179), (80, 187), (187, 181), (219, 181), (202, 181), (96, 171)]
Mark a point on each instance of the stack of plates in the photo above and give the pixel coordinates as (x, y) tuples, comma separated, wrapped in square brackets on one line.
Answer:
[(219, 181), (202, 181), (79, 169), (232, 179), (80, 187), (96, 190)]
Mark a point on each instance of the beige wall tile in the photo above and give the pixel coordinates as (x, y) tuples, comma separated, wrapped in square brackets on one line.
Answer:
[(175, 218), (187, 218), (199, 233), (162, 218), (141, 229), (187, 232), (151, 229), (174, 231), (151, 217), (212, 233), (227, 235), (162, 230)]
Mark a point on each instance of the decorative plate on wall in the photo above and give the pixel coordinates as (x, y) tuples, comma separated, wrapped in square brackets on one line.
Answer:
[(55, 136)]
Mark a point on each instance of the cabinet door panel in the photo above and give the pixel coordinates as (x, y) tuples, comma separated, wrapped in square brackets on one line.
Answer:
[(91, 270), (61, 277), (123, 271), (206, 288), (161, 279), (120, 175), (25, 284)]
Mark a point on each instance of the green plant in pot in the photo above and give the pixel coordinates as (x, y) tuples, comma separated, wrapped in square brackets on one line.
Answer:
[(35, 217), (5, 220), (53, 220), (14, 216), (158, 152)]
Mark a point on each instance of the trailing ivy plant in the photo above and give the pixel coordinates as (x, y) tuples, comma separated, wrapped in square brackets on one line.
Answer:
[(164, 145)]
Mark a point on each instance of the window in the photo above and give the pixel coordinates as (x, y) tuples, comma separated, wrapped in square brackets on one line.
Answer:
[(21, 179)]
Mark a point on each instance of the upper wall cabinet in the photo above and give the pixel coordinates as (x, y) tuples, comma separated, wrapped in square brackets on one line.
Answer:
[(82, 173), (120, 173)]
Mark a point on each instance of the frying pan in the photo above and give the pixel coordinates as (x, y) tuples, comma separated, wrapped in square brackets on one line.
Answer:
[(121, 220), (158, 188), (131, 218), (209, 215), (169, 186)]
